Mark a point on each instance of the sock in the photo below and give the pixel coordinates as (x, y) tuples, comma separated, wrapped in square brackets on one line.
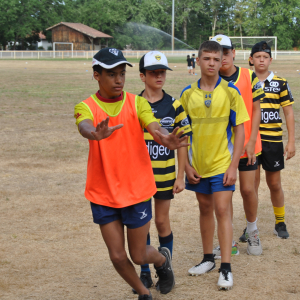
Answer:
[(167, 242), (279, 213), (145, 268), (225, 266), (251, 226), (208, 257)]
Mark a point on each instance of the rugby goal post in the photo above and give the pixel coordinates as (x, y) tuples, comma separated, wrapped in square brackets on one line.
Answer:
[(247, 42), (61, 43)]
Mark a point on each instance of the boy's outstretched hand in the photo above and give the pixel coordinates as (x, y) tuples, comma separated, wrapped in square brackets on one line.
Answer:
[(173, 140), (102, 130)]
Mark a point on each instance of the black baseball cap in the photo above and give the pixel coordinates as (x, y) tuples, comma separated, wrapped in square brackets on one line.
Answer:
[(154, 60), (109, 58), (261, 46)]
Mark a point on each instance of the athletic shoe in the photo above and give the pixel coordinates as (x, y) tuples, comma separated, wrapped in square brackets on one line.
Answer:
[(145, 297), (217, 251), (254, 245), (146, 280), (280, 230), (202, 268), (225, 281), (166, 279), (244, 237)]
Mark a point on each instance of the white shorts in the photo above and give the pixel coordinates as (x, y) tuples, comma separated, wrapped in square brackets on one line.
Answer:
[(190, 68)]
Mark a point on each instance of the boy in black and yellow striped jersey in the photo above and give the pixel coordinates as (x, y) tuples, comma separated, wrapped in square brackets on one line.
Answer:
[(278, 94), (170, 114)]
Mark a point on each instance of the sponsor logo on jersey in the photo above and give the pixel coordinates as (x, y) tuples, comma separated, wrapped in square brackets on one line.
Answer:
[(167, 121), (267, 116), (114, 51), (257, 86), (158, 57), (274, 83), (77, 115), (157, 150), (207, 103), (271, 89), (185, 122)]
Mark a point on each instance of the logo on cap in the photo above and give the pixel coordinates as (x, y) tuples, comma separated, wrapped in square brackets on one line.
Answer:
[(219, 39), (158, 57), (114, 51)]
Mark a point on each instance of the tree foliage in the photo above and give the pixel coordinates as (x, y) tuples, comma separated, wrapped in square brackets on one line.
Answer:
[(130, 21)]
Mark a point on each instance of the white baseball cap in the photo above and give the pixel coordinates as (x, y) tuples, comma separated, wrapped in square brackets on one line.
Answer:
[(223, 40), (154, 60)]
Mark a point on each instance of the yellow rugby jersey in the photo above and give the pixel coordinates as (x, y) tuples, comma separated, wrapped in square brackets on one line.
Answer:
[(170, 114), (212, 117), (145, 115), (278, 94)]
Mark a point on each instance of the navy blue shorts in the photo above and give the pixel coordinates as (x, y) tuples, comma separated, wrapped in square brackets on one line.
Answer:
[(133, 216), (210, 185)]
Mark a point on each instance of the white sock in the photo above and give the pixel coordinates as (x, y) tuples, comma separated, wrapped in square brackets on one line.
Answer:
[(251, 226)]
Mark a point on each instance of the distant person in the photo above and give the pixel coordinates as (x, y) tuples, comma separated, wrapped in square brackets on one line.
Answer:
[(189, 64), (278, 94), (194, 63), (217, 113), (248, 84), (169, 112), (120, 181)]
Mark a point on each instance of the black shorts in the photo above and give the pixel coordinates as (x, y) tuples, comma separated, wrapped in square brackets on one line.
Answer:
[(164, 195), (243, 165), (271, 157)]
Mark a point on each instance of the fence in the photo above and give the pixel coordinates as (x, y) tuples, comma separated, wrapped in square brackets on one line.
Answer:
[(18, 54)]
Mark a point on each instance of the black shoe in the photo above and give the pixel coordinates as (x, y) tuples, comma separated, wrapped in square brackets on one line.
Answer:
[(166, 279), (145, 297), (244, 237), (280, 230), (146, 280)]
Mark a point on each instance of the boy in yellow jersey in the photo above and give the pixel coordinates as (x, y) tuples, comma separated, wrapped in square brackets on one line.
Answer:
[(248, 84), (217, 112), (119, 173), (170, 113), (278, 94)]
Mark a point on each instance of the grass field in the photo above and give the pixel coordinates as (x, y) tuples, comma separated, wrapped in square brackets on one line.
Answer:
[(51, 249)]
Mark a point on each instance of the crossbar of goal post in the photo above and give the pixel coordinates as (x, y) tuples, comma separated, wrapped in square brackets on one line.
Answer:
[(61, 43), (258, 38)]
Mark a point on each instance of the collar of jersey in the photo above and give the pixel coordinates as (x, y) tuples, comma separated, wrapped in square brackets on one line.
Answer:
[(270, 77), (99, 103), (218, 82)]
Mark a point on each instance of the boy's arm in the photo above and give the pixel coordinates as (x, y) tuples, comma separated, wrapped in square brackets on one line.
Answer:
[(290, 124), (179, 184), (250, 146), (161, 135), (192, 176), (100, 132), (231, 173)]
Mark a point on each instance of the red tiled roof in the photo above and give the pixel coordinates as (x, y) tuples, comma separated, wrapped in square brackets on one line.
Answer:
[(42, 36), (83, 29)]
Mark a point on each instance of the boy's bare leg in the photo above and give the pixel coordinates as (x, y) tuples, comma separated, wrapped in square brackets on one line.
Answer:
[(247, 187), (207, 221), (274, 183), (113, 235), (257, 180), (222, 202), (162, 220)]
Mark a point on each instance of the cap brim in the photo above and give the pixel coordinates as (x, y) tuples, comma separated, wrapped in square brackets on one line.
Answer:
[(227, 47), (105, 66), (156, 67)]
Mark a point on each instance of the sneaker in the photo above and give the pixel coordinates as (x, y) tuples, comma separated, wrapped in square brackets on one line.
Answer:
[(146, 280), (244, 237), (254, 245), (217, 251), (166, 279), (145, 297), (280, 230), (225, 281), (202, 268)]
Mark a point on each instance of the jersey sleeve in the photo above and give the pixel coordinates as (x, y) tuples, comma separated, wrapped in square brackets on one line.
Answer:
[(286, 97), (238, 111), (181, 119), (257, 90), (144, 112), (82, 112)]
